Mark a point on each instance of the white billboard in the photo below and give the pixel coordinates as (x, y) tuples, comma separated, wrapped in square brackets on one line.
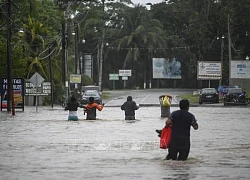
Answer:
[(240, 69), (208, 70), (125, 72), (165, 68), (88, 67)]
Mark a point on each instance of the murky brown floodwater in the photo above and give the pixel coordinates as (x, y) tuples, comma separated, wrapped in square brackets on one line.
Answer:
[(44, 145)]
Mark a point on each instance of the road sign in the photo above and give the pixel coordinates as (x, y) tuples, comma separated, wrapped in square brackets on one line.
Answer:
[(125, 72), (209, 70), (36, 79), (75, 78), (113, 77), (124, 77)]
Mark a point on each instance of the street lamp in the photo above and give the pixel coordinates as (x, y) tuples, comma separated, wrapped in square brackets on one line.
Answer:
[(78, 69), (76, 34)]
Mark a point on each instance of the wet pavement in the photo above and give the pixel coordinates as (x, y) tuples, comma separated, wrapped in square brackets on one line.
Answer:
[(44, 145)]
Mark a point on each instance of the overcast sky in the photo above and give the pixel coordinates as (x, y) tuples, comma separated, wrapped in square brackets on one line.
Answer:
[(146, 1)]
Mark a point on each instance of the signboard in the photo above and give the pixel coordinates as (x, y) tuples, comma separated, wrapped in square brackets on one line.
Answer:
[(43, 89), (124, 77), (240, 69), (46, 87), (18, 93), (75, 78), (166, 68), (125, 72), (36, 79), (209, 70), (113, 76)]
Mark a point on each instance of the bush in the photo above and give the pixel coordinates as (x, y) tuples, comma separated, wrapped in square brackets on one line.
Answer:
[(86, 80)]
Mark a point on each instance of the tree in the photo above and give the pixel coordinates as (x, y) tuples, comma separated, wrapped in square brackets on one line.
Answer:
[(34, 32), (19, 61)]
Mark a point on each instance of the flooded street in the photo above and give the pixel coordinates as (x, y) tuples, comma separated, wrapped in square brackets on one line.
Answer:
[(44, 145)]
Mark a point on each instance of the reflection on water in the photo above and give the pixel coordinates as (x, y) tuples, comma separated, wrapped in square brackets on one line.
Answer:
[(44, 145)]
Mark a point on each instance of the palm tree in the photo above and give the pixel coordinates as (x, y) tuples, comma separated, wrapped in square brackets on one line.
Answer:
[(34, 32), (141, 36)]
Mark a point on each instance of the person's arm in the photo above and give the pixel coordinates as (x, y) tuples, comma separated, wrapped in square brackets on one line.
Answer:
[(84, 107), (194, 123), (168, 122), (135, 106), (99, 107), (123, 106)]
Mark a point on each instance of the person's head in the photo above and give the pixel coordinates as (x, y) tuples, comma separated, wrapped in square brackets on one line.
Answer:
[(129, 98), (91, 99), (73, 99), (184, 104)]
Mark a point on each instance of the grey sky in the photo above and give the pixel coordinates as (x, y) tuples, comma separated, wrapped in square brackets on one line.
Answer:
[(143, 2)]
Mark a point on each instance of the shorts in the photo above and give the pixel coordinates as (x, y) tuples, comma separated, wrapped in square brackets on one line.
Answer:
[(72, 118)]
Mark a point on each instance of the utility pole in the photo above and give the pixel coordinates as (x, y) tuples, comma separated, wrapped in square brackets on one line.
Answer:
[(76, 47), (229, 49), (101, 63), (63, 54), (221, 56), (51, 79), (10, 97), (101, 53)]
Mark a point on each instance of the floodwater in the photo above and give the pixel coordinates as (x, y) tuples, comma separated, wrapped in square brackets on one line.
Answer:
[(44, 145)]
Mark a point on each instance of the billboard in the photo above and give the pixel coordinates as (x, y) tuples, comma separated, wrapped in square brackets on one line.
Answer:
[(209, 70), (125, 72), (18, 93), (240, 69), (165, 68), (88, 67), (75, 78), (43, 89)]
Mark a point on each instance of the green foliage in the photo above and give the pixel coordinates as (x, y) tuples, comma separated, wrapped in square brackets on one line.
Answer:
[(192, 98), (18, 61), (140, 32), (184, 28), (86, 80)]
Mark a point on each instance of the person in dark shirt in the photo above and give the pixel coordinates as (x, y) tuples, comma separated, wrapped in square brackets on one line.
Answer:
[(90, 109), (181, 121), (129, 107), (72, 106)]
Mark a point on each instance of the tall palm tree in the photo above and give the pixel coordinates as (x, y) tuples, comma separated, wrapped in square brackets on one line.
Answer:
[(141, 36), (34, 32)]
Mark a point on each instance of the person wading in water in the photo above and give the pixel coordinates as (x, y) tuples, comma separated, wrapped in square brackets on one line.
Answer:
[(181, 121), (90, 109), (72, 106), (129, 107)]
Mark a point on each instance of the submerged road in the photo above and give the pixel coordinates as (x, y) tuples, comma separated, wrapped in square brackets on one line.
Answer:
[(44, 145), (147, 97)]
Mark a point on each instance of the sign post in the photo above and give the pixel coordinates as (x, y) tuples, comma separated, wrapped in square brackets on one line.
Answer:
[(36, 80), (125, 73), (208, 70), (113, 77)]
